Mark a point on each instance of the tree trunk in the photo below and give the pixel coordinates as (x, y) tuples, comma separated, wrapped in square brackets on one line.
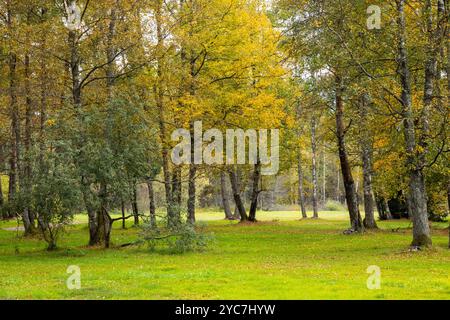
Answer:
[(448, 204), (122, 209), (301, 194), (366, 155), (387, 210), (2, 202), (314, 169), (104, 221), (324, 179), (430, 77), (151, 201), (349, 183), (93, 220), (383, 209), (237, 195), (191, 183), (338, 185), (159, 99), (224, 194), (27, 215), (175, 218), (15, 133), (255, 191), (134, 205), (417, 195)]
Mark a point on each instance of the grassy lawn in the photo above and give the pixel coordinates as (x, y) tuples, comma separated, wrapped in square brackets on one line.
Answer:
[(278, 258)]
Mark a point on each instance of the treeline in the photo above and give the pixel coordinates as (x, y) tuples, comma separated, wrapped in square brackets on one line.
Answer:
[(91, 91), (382, 73)]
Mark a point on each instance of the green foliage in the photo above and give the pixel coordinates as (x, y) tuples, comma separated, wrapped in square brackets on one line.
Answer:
[(55, 193), (332, 205), (185, 237)]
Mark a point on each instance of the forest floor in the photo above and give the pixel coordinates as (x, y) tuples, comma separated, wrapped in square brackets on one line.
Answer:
[(281, 257)]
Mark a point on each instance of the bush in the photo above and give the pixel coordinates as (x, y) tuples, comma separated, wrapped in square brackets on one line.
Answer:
[(180, 239), (332, 205)]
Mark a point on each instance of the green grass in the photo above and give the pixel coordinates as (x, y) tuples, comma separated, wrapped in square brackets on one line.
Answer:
[(278, 258)]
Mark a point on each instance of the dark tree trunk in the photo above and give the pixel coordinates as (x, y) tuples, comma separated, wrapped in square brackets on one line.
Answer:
[(93, 220), (387, 210), (314, 168), (383, 209), (338, 185), (301, 194), (430, 77), (224, 194), (366, 155), (104, 221), (92, 214), (175, 218), (15, 132), (14, 114), (159, 98), (448, 204), (2, 202), (151, 201), (255, 192), (444, 9), (43, 103), (191, 183), (122, 209), (417, 195), (324, 178), (237, 195), (27, 215), (134, 205), (349, 183)]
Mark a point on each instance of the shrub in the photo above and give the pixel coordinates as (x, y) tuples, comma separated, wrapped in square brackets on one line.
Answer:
[(185, 237), (332, 205)]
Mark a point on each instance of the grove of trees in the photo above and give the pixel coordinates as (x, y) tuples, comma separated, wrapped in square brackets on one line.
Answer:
[(91, 91)]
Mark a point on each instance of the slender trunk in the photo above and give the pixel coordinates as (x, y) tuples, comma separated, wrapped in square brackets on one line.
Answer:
[(387, 210), (369, 219), (237, 195), (366, 155), (430, 76), (417, 195), (301, 194), (191, 183), (255, 191), (324, 179), (383, 209), (175, 219), (94, 238), (224, 194), (43, 105), (2, 201), (100, 222), (151, 200), (122, 209), (159, 98), (314, 168), (27, 215), (14, 115), (134, 205), (444, 7), (338, 186), (349, 183), (15, 132), (448, 205)]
